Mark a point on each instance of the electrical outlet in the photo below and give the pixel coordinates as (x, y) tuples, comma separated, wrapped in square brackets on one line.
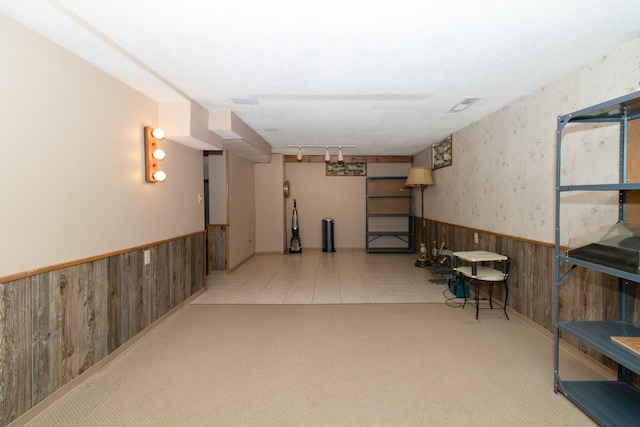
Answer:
[(475, 238), (147, 257)]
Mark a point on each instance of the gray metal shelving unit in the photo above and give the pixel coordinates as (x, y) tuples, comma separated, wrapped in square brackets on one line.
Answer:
[(610, 403), (389, 225)]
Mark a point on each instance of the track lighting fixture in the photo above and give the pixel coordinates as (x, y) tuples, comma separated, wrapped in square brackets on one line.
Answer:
[(327, 155)]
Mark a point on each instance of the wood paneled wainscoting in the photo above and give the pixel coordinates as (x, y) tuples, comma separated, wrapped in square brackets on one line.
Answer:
[(589, 295), (58, 322), (217, 249)]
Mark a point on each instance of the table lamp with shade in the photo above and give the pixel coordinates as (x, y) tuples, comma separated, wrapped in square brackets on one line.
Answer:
[(420, 178)]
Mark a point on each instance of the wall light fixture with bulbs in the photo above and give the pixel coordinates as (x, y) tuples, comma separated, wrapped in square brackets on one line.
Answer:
[(153, 154)]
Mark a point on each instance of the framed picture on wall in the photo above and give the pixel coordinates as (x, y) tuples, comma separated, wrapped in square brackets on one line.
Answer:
[(346, 169), (441, 153)]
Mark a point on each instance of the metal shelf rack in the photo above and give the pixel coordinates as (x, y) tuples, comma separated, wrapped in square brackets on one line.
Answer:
[(610, 403), (389, 225)]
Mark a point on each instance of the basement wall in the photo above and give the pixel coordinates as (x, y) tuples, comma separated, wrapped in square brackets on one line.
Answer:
[(78, 221)]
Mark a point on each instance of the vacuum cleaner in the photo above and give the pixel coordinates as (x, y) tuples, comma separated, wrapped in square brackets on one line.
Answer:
[(295, 246)]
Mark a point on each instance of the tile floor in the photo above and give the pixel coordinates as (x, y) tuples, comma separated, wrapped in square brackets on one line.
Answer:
[(315, 277)]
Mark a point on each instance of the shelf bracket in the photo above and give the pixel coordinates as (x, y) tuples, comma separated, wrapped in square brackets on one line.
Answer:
[(569, 271)]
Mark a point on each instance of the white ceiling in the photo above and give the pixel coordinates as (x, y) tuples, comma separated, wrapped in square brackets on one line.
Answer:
[(381, 75)]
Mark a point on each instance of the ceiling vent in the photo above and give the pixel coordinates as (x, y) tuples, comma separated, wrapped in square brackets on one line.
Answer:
[(464, 105), (245, 101)]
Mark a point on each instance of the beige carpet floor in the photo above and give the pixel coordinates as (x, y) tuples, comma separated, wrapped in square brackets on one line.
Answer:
[(328, 365)]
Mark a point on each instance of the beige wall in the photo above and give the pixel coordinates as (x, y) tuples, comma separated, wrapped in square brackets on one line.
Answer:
[(242, 210), (341, 198), (270, 205), (72, 164)]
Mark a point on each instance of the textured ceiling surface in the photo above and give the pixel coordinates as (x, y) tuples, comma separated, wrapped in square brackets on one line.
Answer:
[(380, 75)]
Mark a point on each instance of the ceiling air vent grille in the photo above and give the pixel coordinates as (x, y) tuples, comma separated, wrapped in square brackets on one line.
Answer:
[(464, 105)]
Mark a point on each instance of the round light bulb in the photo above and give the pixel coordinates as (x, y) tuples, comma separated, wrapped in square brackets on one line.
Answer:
[(159, 154), (159, 175), (158, 133)]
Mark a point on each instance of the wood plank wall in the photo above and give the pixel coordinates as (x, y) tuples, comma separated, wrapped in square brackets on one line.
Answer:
[(57, 324), (585, 295), (217, 249)]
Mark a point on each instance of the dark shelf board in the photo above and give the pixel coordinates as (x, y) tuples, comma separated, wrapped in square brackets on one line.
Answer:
[(597, 334), (627, 186), (390, 250), (612, 110), (609, 403), (601, 268), (389, 233)]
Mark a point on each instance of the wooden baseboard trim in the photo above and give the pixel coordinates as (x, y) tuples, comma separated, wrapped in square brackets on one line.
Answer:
[(47, 269), (505, 236)]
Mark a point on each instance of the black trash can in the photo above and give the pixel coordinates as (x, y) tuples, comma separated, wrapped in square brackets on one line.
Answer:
[(327, 235)]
